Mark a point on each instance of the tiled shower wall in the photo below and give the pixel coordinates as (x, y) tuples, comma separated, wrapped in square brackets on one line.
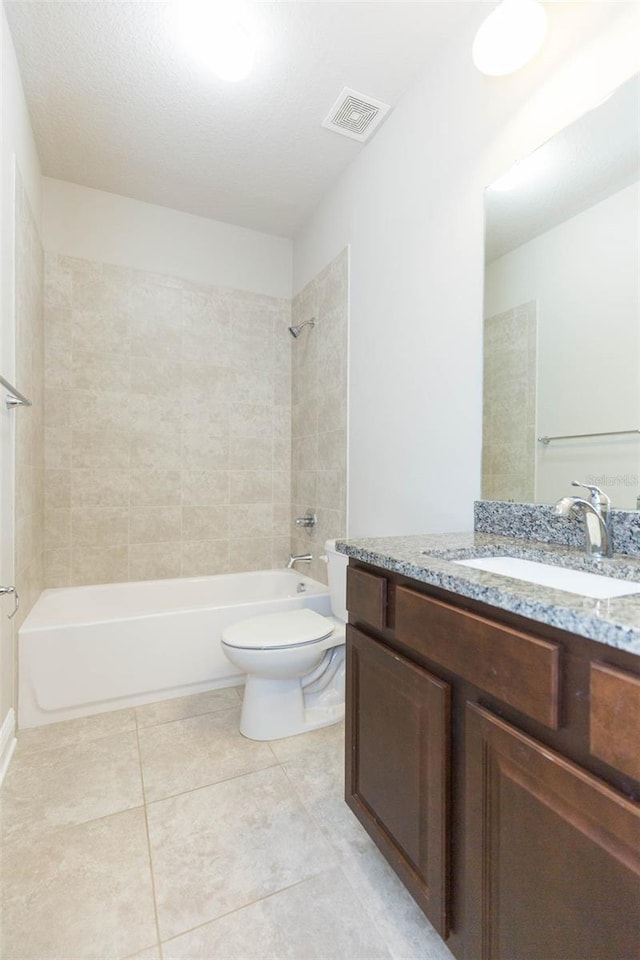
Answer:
[(319, 412), (168, 425), (509, 405), (29, 421)]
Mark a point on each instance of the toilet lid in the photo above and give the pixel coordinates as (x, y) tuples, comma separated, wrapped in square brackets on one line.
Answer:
[(273, 630)]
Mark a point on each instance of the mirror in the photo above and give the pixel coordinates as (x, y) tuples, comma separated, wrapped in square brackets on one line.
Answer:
[(562, 313)]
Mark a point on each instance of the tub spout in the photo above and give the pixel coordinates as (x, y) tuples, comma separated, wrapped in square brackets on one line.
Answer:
[(301, 558)]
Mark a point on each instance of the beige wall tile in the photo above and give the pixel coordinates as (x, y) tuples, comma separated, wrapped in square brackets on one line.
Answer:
[(304, 453), (250, 453), (250, 554), (250, 486), (57, 527), (57, 488), (250, 520), (58, 371), (330, 490), (205, 523), (154, 561), (332, 450), (93, 447), (281, 486), (154, 376), (167, 401), (57, 447), (154, 524), (99, 525), (99, 564), (202, 449), (155, 487), (57, 567), (319, 397), (147, 448), (250, 420), (97, 371), (99, 333), (204, 558), (303, 486), (201, 488), (95, 488)]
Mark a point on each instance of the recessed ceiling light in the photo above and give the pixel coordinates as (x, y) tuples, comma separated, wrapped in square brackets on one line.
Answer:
[(510, 36), (219, 35)]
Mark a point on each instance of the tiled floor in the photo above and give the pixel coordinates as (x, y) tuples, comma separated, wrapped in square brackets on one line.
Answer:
[(160, 832)]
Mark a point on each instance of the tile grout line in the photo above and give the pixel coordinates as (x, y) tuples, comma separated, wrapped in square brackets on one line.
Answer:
[(214, 783), (149, 851), (244, 906)]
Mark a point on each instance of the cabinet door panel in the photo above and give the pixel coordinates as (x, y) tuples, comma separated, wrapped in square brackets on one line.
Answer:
[(553, 853), (398, 766)]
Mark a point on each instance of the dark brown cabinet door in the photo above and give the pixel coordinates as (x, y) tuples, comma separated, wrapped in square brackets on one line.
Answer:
[(398, 766), (553, 853)]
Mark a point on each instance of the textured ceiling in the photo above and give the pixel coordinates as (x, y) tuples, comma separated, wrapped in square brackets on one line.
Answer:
[(590, 160), (117, 105)]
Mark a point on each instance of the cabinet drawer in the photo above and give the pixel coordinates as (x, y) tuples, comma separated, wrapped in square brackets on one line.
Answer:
[(518, 669), (366, 598), (614, 721)]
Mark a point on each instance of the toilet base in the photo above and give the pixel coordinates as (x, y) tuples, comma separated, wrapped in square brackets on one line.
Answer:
[(273, 709)]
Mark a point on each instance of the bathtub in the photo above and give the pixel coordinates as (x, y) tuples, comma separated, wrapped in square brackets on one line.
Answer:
[(86, 650)]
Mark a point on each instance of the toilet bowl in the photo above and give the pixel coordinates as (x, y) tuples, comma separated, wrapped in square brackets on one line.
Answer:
[(294, 662)]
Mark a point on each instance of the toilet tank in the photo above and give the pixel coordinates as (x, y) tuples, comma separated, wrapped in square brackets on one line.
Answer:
[(337, 564)]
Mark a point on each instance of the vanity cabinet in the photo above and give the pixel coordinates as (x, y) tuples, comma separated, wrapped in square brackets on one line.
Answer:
[(493, 761), (552, 853), (398, 773)]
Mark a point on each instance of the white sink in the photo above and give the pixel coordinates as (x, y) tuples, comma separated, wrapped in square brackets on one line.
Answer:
[(560, 578)]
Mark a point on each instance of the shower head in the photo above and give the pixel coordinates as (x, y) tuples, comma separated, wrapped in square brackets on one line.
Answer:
[(295, 331)]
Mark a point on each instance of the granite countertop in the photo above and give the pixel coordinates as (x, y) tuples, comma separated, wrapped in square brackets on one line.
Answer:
[(428, 557)]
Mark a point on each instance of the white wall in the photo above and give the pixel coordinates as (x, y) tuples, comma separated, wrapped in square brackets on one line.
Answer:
[(81, 222), (16, 147), (584, 276), (411, 207)]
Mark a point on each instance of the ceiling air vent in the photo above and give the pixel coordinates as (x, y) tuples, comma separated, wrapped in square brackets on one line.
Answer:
[(355, 115)]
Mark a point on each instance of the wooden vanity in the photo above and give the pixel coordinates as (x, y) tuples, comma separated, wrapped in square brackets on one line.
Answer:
[(494, 761)]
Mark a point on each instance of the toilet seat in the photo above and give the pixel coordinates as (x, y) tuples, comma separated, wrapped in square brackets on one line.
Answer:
[(277, 631)]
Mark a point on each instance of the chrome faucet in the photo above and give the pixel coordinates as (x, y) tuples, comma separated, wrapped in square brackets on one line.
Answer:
[(303, 557), (596, 516)]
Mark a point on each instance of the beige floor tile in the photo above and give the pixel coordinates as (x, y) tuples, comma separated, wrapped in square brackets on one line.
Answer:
[(394, 912), (319, 919), (70, 785), (72, 732), (220, 848), (83, 893), (318, 781), (181, 707), (151, 953), (191, 753), (327, 739)]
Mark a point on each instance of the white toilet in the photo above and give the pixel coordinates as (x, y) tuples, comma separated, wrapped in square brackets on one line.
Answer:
[(294, 663)]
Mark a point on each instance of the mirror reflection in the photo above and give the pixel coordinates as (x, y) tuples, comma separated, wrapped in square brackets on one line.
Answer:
[(562, 313)]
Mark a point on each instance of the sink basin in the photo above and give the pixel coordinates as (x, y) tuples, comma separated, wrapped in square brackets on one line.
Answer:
[(560, 578)]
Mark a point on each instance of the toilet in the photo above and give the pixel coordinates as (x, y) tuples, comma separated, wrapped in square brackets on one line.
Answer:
[(294, 662)]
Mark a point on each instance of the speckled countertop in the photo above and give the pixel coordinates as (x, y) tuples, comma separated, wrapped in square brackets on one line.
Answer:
[(613, 622)]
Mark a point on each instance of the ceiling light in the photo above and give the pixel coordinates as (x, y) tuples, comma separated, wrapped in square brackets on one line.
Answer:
[(510, 36), (219, 35)]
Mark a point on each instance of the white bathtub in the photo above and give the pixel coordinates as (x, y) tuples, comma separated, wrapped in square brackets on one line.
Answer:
[(86, 650)]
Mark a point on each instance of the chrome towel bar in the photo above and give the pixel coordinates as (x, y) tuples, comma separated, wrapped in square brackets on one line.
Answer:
[(579, 436), (14, 398)]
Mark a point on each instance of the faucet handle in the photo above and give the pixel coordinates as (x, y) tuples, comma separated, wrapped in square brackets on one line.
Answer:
[(598, 497)]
